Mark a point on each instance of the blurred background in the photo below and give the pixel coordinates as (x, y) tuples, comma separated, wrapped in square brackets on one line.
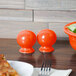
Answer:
[(35, 15)]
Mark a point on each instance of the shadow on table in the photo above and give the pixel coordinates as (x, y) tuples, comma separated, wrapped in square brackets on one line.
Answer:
[(27, 58), (49, 58), (73, 62)]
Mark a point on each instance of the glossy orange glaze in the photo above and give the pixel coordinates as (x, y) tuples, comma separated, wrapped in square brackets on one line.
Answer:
[(72, 36), (46, 38), (26, 39)]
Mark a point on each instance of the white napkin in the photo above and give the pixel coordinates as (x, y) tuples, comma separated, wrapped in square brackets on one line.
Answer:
[(54, 72)]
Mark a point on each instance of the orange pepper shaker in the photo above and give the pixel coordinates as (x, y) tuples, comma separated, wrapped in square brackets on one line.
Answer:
[(46, 38), (26, 39)]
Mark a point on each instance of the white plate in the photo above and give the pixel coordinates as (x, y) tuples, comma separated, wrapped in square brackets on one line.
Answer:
[(24, 69)]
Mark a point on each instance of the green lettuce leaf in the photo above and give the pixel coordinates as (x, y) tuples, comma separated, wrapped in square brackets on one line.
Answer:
[(72, 28)]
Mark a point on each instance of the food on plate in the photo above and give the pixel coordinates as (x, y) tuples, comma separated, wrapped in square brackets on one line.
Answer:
[(72, 28), (5, 68)]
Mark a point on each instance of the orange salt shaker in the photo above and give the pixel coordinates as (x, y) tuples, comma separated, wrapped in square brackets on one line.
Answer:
[(46, 38), (26, 39)]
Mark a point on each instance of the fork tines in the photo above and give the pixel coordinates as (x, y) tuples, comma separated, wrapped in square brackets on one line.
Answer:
[(46, 68)]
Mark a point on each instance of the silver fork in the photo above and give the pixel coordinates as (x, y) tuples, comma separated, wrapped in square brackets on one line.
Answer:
[(45, 69)]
